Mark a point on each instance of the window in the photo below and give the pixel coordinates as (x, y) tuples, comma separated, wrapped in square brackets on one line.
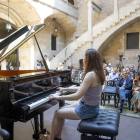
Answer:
[(132, 41), (71, 1), (53, 43)]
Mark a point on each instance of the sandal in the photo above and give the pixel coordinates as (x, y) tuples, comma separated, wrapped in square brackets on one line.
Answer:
[(135, 112), (56, 138), (48, 132)]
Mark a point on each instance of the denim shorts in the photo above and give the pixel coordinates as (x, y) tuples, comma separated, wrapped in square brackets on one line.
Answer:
[(86, 111)]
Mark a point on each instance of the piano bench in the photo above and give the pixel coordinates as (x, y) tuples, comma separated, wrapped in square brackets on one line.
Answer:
[(105, 124)]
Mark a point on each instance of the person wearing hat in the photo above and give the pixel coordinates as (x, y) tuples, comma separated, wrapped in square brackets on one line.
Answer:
[(109, 68)]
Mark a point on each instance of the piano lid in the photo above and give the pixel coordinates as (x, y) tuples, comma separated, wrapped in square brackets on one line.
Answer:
[(24, 37)]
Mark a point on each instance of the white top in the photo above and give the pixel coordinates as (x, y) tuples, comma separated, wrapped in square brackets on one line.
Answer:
[(3, 65), (60, 68), (110, 69)]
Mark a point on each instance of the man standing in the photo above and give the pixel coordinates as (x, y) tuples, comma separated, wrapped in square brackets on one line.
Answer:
[(3, 64), (70, 67), (47, 60), (124, 86)]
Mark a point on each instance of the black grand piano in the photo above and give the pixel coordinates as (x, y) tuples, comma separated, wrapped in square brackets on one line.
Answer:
[(16, 102)]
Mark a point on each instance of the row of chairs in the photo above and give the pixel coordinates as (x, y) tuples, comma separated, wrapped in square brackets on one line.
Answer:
[(109, 91)]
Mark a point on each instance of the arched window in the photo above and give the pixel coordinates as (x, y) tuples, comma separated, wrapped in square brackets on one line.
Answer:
[(71, 1)]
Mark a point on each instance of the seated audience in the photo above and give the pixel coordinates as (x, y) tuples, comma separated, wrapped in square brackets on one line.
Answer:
[(106, 79), (119, 71), (60, 67), (124, 86), (71, 68), (128, 73), (136, 91), (126, 67), (106, 75), (109, 68), (113, 74), (132, 70)]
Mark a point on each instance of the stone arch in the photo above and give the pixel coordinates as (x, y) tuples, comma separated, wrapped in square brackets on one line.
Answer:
[(14, 17), (64, 21), (116, 30)]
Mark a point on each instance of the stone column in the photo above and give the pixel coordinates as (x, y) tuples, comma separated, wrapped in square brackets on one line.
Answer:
[(116, 11), (90, 23)]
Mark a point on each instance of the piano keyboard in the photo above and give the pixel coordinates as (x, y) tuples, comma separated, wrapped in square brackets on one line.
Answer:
[(45, 99)]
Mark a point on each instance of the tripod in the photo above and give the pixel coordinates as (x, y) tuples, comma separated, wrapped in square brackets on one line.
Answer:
[(121, 63), (138, 64)]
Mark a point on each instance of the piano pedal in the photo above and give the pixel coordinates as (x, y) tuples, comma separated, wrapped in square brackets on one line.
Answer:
[(44, 136)]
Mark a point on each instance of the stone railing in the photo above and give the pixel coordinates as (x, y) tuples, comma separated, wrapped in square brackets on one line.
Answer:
[(68, 51), (109, 21)]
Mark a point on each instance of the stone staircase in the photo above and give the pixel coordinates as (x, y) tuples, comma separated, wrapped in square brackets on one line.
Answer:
[(101, 32)]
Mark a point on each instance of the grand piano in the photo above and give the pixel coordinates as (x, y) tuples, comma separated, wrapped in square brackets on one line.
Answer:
[(25, 107)]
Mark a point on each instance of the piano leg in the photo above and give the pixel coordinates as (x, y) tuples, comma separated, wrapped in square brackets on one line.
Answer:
[(38, 131), (36, 124), (41, 121), (61, 103), (10, 128)]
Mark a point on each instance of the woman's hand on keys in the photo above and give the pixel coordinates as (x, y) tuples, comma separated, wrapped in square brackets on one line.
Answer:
[(60, 89), (54, 96)]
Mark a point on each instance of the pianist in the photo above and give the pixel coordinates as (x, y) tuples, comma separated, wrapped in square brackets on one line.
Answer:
[(88, 93)]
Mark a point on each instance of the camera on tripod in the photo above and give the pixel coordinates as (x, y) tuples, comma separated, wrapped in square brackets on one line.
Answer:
[(121, 57)]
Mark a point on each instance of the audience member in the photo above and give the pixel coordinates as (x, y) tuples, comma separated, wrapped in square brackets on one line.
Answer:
[(109, 68), (60, 67), (124, 86), (113, 74), (3, 64), (38, 64), (132, 69), (136, 91), (47, 60), (126, 67), (119, 71), (128, 73), (71, 68), (106, 75), (53, 56)]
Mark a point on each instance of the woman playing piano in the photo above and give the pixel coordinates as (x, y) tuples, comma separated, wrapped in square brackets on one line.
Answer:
[(88, 93)]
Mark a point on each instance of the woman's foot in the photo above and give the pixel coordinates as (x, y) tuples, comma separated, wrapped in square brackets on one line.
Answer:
[(56, 136), (135, 111)]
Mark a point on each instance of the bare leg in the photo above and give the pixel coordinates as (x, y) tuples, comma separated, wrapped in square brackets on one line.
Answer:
[(64, 113), (70, 106), (139, 103), (62, 120), (136, 105)]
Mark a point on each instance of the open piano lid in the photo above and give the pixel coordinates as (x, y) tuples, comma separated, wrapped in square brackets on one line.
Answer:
[(25, 33)]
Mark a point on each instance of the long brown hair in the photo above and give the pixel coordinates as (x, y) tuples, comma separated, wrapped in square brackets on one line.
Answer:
[(93, 63)]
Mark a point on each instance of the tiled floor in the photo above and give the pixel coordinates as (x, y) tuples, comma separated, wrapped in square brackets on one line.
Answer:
[(128, 130)]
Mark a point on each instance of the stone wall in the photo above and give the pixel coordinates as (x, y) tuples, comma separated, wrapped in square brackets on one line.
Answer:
[(44, 40), (82, 17), (118, 46), (107, 7)]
